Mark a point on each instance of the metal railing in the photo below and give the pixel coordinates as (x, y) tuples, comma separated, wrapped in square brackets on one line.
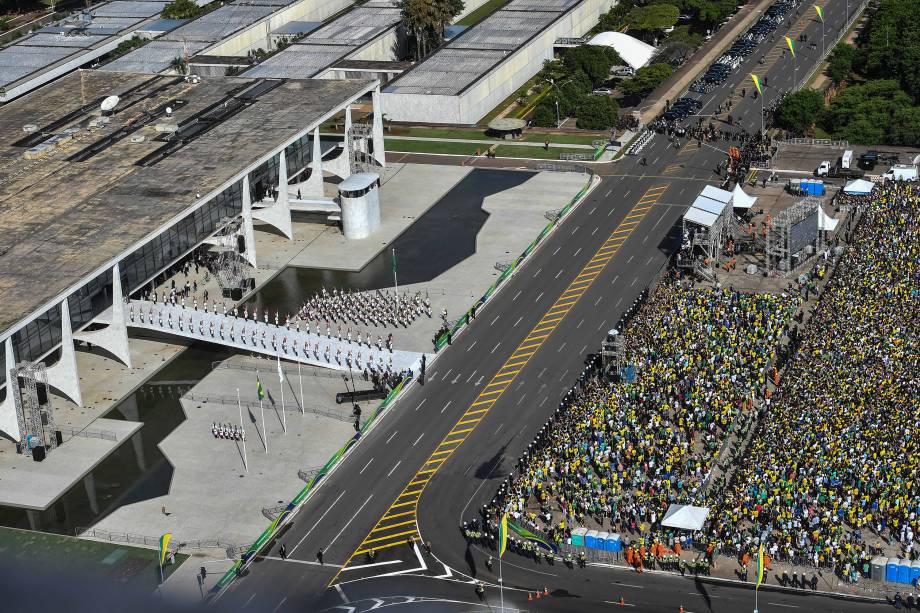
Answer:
[(577, 157), (294, 406), (817, 142), (830, 47), (154, 541), (87, 433)]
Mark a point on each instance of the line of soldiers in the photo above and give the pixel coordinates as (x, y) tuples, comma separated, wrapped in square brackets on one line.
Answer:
[(377, 308)]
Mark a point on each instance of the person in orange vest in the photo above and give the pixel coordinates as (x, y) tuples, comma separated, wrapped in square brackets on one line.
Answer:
[(775, 376), (745, 559), (642, 552), (629, 555), (677, 547)]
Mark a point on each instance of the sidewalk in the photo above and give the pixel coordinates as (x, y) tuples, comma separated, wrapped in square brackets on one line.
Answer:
[(705, 55), (495, 142)]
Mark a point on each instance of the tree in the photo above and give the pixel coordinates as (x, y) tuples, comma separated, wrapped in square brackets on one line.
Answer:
[(179, 65), (866, 113), (799, 111), (182, 9), (645, 80), (595, 61), (597, 113), (840, 66), (889, 47), (544, 115), (426, 20), (652, 17)]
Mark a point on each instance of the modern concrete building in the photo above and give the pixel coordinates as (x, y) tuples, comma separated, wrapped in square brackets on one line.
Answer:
[(486, 63), (97, 204), (63, 46), (231, 31)]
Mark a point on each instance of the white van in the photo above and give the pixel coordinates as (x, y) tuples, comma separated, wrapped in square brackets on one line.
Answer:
[(901, 173), (846, 159)]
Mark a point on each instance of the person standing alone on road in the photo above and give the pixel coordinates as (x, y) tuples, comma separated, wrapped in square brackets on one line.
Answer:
[(319, 556)]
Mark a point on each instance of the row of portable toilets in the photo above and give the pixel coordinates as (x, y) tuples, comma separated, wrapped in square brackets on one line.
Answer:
[(895, 570), (592, 539)]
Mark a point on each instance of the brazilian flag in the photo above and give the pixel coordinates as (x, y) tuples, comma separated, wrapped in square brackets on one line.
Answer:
[(502, 535), (259, 390), (164, 547), (533, 538)]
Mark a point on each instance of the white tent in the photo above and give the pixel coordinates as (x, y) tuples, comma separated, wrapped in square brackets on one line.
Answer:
[(825, 221), (700, 217), (633, 51), (714, 193), (859, 187), (685, 517), (741, 200)]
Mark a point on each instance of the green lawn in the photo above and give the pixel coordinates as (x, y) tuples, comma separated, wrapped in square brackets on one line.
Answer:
[(424, 146), (530, 136), (565, 139), (58, 556), (482, 12), (501, 106), (511, 151), (443, 133)]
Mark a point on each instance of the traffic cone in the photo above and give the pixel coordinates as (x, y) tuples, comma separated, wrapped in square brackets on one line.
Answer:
[(681, 610), (529, 596), (545, 591), (622, 602)]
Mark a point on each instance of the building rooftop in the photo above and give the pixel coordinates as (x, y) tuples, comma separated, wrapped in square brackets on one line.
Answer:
[(63, 45), (74, 196), (479, 49), (332, 43)]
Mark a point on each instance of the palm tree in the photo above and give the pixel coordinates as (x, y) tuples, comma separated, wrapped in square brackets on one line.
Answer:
[(426, 20)]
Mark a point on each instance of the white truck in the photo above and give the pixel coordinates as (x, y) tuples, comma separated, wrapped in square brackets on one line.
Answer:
[(846, 159), (901, 173)]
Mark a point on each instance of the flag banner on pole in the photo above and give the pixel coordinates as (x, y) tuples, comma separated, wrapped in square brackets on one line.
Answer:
[(394, 262), (259, 391), (791, 45), (502, 535), (533, 538), (760, 565), (820, 12), (280, 373), (756, 81), (164, 544)]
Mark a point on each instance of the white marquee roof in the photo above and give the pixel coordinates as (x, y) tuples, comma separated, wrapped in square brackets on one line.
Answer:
[(633, 51), (740, 200), (714, 193), (685, 517)]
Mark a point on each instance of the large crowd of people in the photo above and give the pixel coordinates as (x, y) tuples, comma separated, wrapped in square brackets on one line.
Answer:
[(823, 471), (617, 454), (833, 474)]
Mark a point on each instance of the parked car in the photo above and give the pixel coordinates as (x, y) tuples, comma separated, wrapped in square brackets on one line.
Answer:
[(602, 91)]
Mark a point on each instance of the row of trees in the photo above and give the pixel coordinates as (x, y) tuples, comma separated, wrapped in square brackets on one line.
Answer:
[(425, 21), (878, 84), (650, 16)]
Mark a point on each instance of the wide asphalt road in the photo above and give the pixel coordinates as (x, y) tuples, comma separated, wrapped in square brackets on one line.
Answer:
[(443, 448)]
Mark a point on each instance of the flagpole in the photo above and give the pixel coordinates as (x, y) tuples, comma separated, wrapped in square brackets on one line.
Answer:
[(395, 288), (501, 585), (239, 404), (262, 411), (300, 379), (281, 382)]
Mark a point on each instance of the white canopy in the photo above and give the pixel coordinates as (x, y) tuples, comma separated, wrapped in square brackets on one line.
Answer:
[(859, 187), (633, 51), (685, 517), (700, 217), (825, 221), (741, 200), (710, 206), (714, 193)]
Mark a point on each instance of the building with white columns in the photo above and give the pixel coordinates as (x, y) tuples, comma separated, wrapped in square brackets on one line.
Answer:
[(97, 205)]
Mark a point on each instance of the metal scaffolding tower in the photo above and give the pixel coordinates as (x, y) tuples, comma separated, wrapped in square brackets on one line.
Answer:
[(35, 418), (358, 136), (782, 242), (229, 259)]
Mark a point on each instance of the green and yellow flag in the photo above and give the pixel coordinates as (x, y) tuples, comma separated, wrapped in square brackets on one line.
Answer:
[(791, 45), (502, 535), (164, 545), (260, 392), (820, 12), (760, 565), (756, 81)]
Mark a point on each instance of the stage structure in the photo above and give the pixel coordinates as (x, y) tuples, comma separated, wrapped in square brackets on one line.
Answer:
[(793, 236), (707, 226), (29, 386)]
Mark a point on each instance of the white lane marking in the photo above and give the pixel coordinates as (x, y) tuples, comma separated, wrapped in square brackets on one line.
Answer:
[(420, 404), (579, 323), (591, 212), (394, 467), (446, 405), (278, 606), (609, 191), (596, 302), (595, 231), (557, 249), (494, 320), (338, 588), (611, 212), (545, 398), (582, 350), (602, 324), (355, 515), (655, 161), (248, 601), (638, 587), (391, 436), (660, 219), (561, 270), (473, 345), (561, 347), (577, 252), (575, 230), (649, 261), (387, 563), (478, 382), (521, 399), (788, 606), (294, 548), (499, 428), (361, 472), (307, 562), (472, 374), (445, 374), (627, 193), (540, 296), (618, 302), (634, 281), (536, 273), (614, 279), (630, 259), (516, 295), (682, 190), (518, 321), (495, 347), (418, 439), (625, 604)]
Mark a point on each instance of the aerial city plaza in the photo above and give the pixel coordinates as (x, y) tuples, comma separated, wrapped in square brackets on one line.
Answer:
[(480, 305)]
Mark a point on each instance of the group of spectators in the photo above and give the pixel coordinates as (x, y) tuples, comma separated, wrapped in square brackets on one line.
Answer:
[(832, 475), (617, 454)]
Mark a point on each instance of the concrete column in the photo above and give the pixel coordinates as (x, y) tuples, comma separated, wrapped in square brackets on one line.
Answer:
[(377, 128), (249, 234), (114, 337), (63, 375), (89, 484), (9, 423), (341, 166), (35, 519), (129, 409), (313, 187), (279, 213)]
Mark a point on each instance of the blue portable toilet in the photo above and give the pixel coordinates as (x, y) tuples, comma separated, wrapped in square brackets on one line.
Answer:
[(903, 571), (915, 573), (614, 544), (891, 570), (578, 536), (602, 540), (591, 539)]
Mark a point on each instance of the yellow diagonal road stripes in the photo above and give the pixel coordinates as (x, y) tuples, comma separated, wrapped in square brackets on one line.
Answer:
[(382, 535)]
